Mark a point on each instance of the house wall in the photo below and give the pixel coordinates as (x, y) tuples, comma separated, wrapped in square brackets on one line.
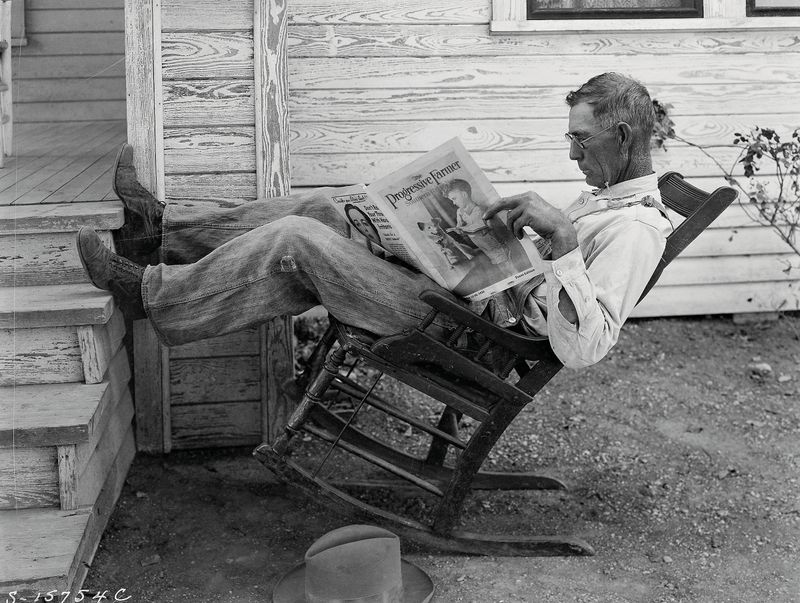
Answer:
[(73, 66), (373, 84)]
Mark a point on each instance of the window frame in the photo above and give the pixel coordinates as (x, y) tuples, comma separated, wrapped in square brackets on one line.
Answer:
[(509, 18), (774, 11), (617, 13)]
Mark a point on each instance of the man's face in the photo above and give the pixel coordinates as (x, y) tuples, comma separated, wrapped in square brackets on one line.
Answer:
[(601, 162)]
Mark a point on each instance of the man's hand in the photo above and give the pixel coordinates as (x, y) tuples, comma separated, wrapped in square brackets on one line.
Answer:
[(529, 209)]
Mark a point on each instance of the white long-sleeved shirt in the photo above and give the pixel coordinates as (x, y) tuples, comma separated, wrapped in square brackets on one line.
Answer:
[(621, 236)]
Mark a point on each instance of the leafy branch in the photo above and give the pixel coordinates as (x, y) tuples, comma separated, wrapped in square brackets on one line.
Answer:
[(776, 202)]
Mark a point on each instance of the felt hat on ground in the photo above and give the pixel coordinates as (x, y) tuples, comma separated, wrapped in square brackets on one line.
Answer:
[(356, 563)]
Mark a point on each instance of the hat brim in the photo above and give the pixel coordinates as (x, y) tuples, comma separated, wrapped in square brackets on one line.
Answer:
[(417, 585)]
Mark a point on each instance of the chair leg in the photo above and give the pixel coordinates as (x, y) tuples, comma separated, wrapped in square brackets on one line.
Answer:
[(469, 463), (312, 396), (448, 423)]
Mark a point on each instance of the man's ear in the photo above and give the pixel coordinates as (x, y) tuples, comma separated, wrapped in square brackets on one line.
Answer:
[(624, 136)]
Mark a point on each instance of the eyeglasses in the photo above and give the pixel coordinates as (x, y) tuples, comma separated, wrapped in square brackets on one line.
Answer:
[(582, 143)]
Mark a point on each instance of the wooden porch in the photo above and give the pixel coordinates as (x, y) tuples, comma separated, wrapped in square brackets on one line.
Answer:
[(66, 434), (61, 162)]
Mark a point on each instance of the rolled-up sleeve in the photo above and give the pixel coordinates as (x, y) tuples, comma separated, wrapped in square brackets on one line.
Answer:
[(604, 289)]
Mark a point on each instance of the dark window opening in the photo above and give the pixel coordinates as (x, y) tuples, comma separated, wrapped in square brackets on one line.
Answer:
[(617, 9)]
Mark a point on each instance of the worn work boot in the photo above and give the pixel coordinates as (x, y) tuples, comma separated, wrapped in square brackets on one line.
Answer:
[(141, 234), (111, 272)]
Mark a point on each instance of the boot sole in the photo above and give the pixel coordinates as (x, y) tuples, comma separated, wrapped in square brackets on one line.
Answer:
[(83, 262)]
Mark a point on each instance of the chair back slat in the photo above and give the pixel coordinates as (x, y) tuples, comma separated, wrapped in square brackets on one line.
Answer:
[(698, 207)]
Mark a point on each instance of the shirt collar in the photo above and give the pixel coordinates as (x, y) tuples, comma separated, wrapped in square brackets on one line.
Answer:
[(628, 188)]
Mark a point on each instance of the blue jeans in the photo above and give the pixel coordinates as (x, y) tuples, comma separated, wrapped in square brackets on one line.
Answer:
[(231, 268)]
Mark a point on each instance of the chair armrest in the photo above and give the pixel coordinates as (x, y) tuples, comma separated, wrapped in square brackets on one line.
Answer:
[(529, 347)]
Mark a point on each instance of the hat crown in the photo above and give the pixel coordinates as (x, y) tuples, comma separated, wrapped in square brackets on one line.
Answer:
[(357, 563)]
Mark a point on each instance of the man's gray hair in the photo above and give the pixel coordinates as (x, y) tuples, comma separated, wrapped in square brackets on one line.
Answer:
[(614, 98)]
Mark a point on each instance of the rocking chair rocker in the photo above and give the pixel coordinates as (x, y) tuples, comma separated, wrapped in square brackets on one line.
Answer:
[(465, 384)]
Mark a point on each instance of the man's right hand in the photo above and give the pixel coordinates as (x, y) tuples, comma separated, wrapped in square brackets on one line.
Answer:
[(530, 209)]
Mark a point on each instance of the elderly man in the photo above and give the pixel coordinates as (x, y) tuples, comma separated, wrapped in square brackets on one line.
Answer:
[(229, 269)]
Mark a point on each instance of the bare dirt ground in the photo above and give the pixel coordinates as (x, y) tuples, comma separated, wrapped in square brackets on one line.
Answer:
[(681, 449)]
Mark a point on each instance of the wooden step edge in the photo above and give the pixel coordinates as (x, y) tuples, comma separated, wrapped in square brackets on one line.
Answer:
[(61, 217), (49, 415), (54, 306), (61, 414), (51, 549), (39, 546)]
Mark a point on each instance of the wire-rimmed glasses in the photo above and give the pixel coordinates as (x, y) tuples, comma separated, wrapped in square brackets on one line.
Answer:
[(582, 143)]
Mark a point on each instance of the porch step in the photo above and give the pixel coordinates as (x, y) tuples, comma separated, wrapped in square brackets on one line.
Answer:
[(62, 305), (60, 334), (37, 242), (57, 414), (52, 549), (58, 442)]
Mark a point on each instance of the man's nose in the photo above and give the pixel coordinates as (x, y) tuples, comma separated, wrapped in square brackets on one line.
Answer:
[(575, 152)]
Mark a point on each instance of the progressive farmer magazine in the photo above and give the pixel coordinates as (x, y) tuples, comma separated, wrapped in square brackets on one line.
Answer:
[(429, 214)]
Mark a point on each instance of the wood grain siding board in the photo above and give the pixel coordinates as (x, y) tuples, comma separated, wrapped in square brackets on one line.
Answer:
[(731, 269), (49, 90), (205, 380), (501, 166), (344, 40), (226, 424), (208, 103), (85, 67), (186, 55), (75, 44), (73, 20), (66, 4), (394, 136), (726, 298), (242, 343), (225, 102), (515, 71), (520, 102), (208, 14), (223, 187), (224, 149), (203, 15), (79, 111)]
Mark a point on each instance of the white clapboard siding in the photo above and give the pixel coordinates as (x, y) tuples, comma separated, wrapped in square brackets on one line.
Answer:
[(529, 71), (725, 298), (73, 67), (415, 136), (210, 14), (381, 40), (346, 168), (222, 101), (374, 84)]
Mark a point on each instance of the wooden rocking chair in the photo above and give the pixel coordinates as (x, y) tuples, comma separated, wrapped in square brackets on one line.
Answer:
[(465, 385)]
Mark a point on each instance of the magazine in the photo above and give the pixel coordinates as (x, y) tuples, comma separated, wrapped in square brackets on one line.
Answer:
[(429, 214)]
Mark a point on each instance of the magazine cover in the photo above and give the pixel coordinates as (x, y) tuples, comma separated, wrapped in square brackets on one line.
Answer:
[(429, 214)]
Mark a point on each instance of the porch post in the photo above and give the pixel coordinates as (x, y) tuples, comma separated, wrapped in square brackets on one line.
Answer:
[(272, 176)]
